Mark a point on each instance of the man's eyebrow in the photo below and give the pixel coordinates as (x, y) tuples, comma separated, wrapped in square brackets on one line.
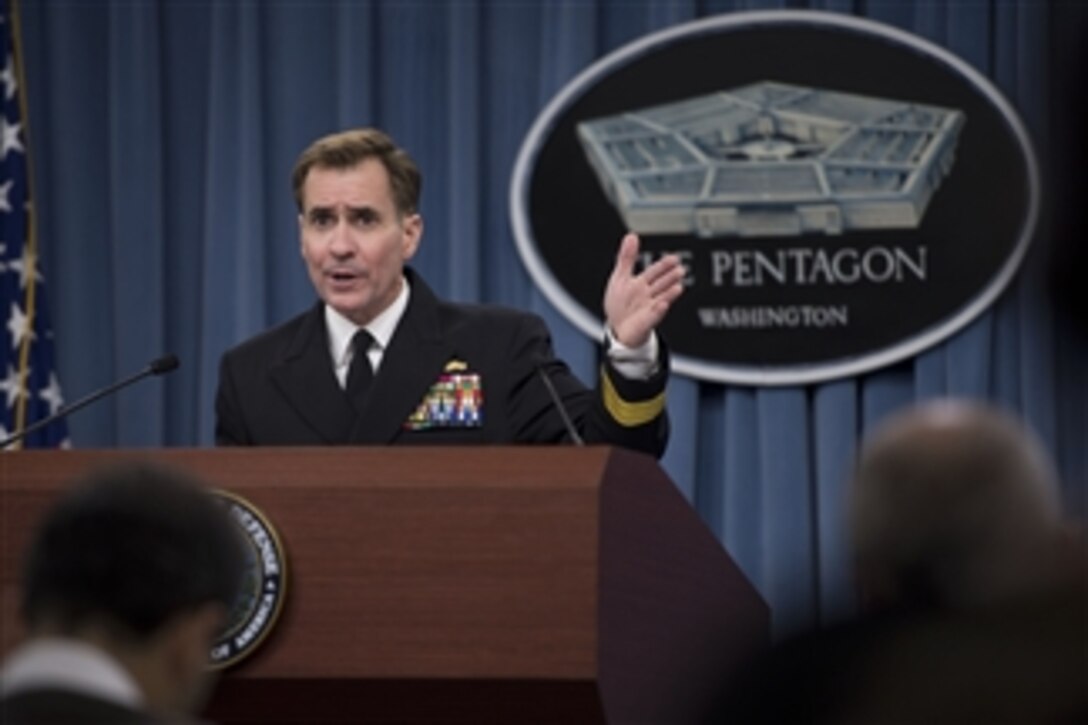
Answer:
[(352, 211)]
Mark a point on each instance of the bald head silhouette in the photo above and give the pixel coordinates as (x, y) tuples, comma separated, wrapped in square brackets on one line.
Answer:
[(953, 504), (974, 600)]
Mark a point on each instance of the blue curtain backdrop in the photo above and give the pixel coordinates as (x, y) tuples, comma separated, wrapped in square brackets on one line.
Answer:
[(163, 134)]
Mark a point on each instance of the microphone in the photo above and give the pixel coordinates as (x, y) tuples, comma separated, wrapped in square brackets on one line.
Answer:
[(558, 402), (158, 366)]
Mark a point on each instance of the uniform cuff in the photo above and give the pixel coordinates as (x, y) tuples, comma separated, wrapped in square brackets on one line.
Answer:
[(633, 363)]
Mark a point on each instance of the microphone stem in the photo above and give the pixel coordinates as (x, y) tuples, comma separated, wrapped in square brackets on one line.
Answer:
[(68, 409), (572, 431)]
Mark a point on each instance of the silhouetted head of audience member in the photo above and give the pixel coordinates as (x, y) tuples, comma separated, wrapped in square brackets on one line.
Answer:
[(973, 592), (954, 504), (140, 562)]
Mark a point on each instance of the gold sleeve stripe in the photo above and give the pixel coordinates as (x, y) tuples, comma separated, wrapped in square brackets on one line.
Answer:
[(627, 413)]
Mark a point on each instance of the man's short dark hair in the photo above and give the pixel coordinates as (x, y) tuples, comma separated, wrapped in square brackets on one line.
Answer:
[(129, 547), (348, 149)]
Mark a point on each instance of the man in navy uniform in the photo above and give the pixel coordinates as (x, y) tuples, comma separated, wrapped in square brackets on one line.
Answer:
[(380, 359)]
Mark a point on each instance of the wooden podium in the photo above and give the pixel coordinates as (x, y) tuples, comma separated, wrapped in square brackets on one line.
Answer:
[(485, 584)]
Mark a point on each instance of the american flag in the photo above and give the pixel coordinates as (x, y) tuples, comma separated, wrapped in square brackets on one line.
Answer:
[(29, 389)]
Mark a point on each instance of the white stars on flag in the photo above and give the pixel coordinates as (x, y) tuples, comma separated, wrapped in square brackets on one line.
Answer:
[(13, 386), (29, 390), (7, 78), (9, 138), (51, 394), (18, 326), (26, 268)]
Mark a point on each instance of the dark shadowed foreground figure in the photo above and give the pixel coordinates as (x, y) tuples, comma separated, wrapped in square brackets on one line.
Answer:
[(126, 584), (973, 589)]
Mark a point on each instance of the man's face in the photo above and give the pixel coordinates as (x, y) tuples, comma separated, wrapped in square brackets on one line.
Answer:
[(353, 240)]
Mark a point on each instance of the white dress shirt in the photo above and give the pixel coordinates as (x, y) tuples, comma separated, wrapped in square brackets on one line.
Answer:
[(633, 363), (381, 328), (68, 664)]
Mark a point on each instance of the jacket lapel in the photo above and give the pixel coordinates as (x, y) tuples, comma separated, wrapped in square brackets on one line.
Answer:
[(305, 377), (413, 361)]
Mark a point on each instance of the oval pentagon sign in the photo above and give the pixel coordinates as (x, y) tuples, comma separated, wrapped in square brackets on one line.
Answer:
[(843, 194)]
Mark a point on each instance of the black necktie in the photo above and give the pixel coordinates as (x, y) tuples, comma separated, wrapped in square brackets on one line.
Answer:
[(360, 375)]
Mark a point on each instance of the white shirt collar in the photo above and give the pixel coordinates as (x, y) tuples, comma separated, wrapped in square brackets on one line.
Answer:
[(70, 665), (382, 327)]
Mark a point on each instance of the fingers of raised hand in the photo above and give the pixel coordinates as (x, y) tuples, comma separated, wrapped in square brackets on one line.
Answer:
[(663, 274), (627, 255)]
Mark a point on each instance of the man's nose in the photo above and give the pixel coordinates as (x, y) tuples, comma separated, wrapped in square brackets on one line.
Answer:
[(341, 243)]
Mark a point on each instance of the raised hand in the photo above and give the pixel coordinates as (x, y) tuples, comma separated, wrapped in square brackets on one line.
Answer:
[(634, 304)]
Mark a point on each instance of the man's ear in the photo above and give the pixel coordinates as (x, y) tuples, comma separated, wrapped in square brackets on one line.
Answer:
[(187, 642), (411, 233)]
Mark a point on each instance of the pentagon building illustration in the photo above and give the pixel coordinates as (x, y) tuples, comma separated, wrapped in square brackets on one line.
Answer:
[(771, 159)]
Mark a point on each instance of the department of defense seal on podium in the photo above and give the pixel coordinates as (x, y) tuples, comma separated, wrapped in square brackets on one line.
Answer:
[(262, 590)]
